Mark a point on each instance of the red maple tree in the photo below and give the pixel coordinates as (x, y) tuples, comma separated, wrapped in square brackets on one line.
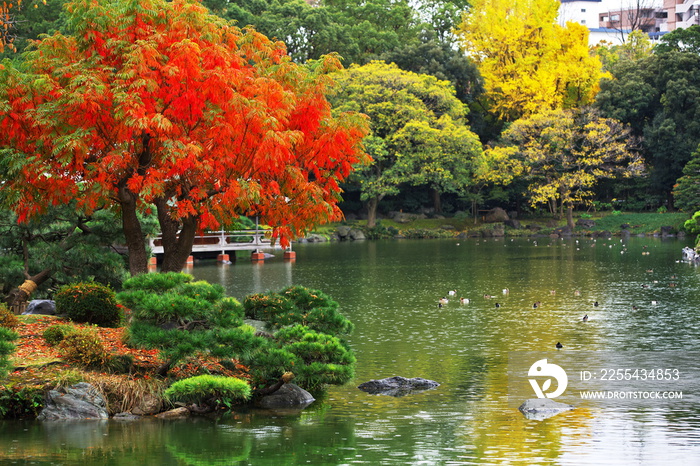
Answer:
[(159, 103)]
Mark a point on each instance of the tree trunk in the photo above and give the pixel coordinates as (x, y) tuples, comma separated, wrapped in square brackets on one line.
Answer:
[(22, 293), (178, 237), (437, 203), (372, 204), (570, 216), (135, 239)]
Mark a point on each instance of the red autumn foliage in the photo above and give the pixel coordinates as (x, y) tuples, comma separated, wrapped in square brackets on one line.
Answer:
[(159, 102)]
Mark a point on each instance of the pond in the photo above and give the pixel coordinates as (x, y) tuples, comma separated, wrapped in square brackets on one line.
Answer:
[(646, 318)]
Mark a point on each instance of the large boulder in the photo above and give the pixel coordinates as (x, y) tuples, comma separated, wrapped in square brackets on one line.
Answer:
[(542, 408), (41, 306), (288, 395), (343, 231), (147, 404), (496, 215), (356, 235), (397, 386), (80, 401)]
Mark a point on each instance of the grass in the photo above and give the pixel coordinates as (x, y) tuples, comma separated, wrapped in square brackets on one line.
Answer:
[(640, 223)]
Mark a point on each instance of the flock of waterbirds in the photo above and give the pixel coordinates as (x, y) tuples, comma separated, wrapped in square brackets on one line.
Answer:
[(451, 294)]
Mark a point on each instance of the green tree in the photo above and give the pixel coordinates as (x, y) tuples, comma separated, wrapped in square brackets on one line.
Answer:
[(686, 192), (357, 31), (565, 153), (680, 40), (56, 248), (659, 97), (439, 58), (529, 63), (27, 21), (411, 116), (637, 46), (439, 157)]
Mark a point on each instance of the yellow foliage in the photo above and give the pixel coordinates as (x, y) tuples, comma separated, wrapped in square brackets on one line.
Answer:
[(529, 63)]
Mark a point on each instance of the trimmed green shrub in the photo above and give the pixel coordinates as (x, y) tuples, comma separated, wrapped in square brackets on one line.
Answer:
[(307, 299), (264, 306), (315, 358), (157, 282), (89, 302), (83, 347), (298, 305), (7, 318), (7, 336), (212, 390), (56, 333), (201, 290)]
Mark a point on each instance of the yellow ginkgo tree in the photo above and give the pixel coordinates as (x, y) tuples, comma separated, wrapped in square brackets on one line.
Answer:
[(529, 62)]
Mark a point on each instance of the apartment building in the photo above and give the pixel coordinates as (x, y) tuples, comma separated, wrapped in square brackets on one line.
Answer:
[(612, 20)]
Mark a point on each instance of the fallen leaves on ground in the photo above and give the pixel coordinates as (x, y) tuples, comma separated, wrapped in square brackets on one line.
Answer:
[(32, 349)]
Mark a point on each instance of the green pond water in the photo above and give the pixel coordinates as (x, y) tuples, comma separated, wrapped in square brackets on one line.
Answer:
[(390, 290)]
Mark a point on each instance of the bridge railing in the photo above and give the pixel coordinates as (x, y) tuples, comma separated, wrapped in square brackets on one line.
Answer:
[(223, 240)]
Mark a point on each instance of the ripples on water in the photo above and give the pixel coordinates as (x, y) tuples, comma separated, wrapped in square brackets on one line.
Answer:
[(390, 289)]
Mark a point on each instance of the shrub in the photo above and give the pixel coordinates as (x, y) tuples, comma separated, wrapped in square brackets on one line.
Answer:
[(212, 390), (21, 403), (56, 333), (7, 336), (88, 302), (7, 318), (83, 347), (298, 305), (263, 306), (201, 290), (315, 358), (157, 282)]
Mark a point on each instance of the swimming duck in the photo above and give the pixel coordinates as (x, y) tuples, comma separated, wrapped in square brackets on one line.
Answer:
[(443, 301), (498, 305), (585, 318), (595, 304), (559, 345), (464, 300), (452, 292)]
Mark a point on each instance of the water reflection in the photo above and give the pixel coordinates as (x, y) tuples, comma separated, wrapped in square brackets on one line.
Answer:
[(390, 291)]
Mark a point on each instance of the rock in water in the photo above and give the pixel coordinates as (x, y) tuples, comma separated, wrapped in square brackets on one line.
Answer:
[(80, 401), (397, 386), (542, 408), (288, 395)]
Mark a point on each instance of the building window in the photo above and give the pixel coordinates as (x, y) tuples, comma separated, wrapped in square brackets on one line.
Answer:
[(583, 10), (614, 17), (604, 19), (583, 21)]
